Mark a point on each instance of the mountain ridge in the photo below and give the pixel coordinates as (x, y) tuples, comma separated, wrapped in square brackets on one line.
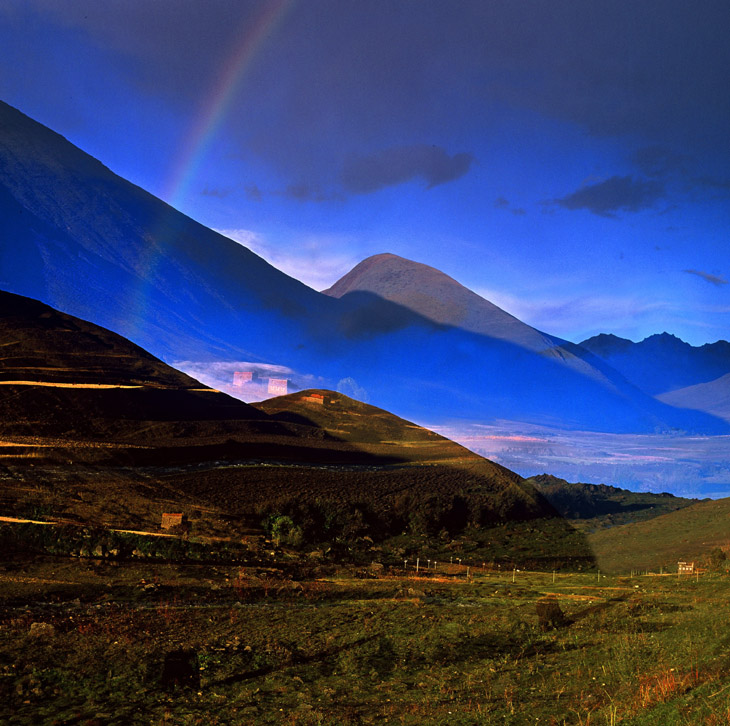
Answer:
[(661, 362), (82, 239)]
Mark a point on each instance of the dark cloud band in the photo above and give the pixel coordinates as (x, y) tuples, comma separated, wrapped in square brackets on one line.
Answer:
[(616, 194), (432, 164)]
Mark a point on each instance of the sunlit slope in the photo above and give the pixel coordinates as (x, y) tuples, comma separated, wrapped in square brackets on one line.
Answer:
[(451, 468), (438, 297), (687, 534)]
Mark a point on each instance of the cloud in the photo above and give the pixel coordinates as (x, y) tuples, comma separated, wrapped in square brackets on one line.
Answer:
[(399, 164), (307, 193), (719, 185), (619, 193), (347, 73), (215, 192), (317, 261), (253, 193), (657, 161), (712, 279), (502, 203)]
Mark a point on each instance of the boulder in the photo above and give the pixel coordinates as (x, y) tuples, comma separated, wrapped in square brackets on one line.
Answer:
[(549, 613), (42, 630), (181, 669)]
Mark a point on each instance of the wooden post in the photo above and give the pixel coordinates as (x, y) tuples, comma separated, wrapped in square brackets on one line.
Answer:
[(599, 577), (514, 570), (418, 559), (553, 577), (467, 573)]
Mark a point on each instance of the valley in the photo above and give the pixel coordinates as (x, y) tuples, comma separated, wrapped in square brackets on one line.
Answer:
[(686, 465), (229, 498)]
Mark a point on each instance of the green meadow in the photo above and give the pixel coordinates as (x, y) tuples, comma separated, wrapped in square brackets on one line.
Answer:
[(84, 641)]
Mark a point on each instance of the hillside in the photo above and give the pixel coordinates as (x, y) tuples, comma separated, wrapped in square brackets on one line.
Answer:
[(93, 429), (712, 397), (592, 506), (690, 533)]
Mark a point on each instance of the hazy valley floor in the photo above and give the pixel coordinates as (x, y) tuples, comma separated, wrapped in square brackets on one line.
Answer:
[(685, 465)]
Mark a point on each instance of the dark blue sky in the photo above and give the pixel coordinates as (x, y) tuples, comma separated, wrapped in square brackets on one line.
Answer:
[(568, 160)]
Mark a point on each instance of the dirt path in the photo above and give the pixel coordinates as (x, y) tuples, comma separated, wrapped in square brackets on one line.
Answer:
[(54, 384)]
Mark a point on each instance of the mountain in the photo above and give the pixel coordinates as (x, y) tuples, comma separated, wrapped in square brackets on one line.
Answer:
[(438, 297), (662, 363), (712, 397), (74, 393), (601, 505), (76, 236)]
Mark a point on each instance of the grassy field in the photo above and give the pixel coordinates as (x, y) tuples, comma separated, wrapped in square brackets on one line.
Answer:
[(84, 641), (687, 534)]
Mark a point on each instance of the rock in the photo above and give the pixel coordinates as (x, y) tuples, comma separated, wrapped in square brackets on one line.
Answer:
[(549, 614), (181, 669), (42, 630)]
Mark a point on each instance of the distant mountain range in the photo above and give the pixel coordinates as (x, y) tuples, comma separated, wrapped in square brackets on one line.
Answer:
[(82, 239), (662, 363), (679, 374)]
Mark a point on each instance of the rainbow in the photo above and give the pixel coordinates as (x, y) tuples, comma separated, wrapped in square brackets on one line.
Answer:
[(217, 103), (197, 142)]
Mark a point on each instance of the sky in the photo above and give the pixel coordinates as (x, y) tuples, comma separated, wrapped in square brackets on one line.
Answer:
[(568, 160)]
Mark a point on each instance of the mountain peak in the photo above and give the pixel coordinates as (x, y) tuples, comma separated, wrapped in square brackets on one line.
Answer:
[(663, 339), (437, 296)]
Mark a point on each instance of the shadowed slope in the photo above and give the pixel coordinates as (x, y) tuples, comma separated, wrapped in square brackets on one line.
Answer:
[(712, 397), (600, 505), (662, 363), (78, 237)]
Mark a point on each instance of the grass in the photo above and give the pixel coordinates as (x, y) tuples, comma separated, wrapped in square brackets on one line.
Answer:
[(336, 648), (686, 534)]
